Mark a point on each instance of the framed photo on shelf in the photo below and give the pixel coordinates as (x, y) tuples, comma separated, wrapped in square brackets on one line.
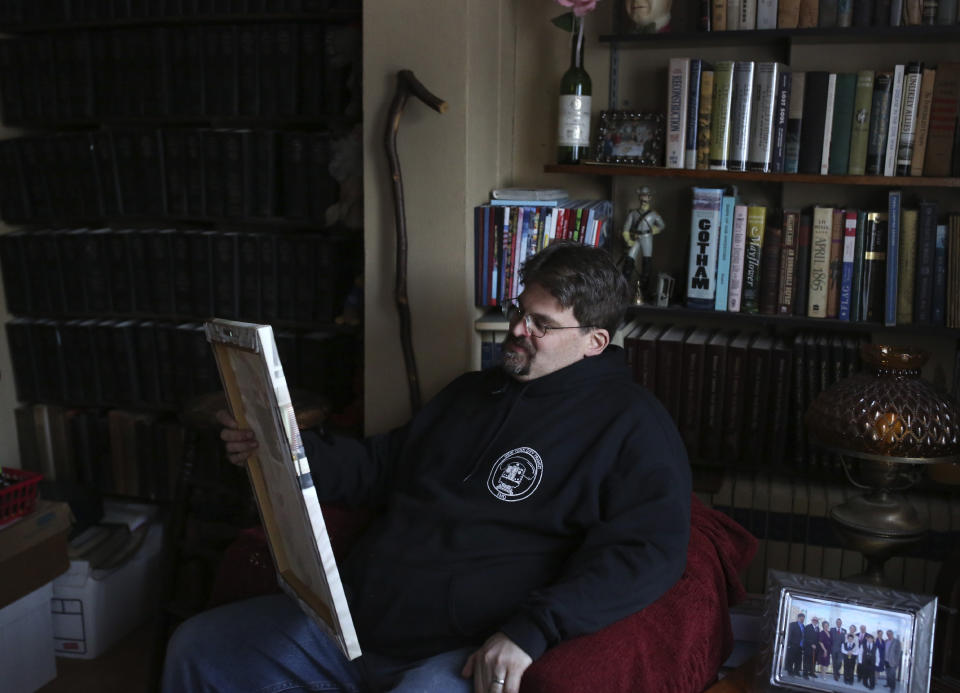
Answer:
[(797, 650), (628, 137)]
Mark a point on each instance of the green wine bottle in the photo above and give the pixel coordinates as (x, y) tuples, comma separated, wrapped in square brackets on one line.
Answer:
[(573, 117)]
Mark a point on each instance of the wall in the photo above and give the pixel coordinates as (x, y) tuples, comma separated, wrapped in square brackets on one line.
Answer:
[(9, 452), (498, 64)]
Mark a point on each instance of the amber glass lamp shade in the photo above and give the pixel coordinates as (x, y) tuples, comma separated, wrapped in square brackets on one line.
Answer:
[(887, 411), (886, 424)]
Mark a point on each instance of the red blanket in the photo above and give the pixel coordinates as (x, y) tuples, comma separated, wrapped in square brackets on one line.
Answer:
[(676, 644)]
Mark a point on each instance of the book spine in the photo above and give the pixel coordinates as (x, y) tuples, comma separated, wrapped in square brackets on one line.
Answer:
[(678, 84), (923, 121), (843, 105), (704, 228), (801, 272), (907, 274), (724, 245), (836, 263), (828, 124), (780, 121), (860, 125), (893, 127), (943, 120), (748, 15), (947, 12), (845, 13), (740, 111), (809, 13), (756, 225), (704, 118), (718, 15), (874, 266), (863, 12), (770, 264), (720, 117), (939, 299), (788, 14), (819, 261), (879, 123), (693, 113), (827, 14), (738, 247), (893, 258), (814, 117), (795, 122), (908, 120), (733, 14), (766, 81), (856, 285), (926, 248), (766, 14), (788, 255), (846, 272)]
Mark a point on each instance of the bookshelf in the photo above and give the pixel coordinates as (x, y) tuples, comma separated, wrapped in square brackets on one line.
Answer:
[(100, 102)]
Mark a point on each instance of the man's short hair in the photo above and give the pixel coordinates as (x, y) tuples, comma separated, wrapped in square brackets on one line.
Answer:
[(583, 278)]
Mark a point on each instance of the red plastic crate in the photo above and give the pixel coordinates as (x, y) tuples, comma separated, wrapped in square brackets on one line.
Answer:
[(20, 497)]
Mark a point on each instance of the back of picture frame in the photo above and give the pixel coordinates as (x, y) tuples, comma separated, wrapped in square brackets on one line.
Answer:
[(256, 390)]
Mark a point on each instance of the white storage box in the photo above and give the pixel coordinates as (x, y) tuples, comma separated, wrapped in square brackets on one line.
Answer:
[(91, 610), (27, 661)]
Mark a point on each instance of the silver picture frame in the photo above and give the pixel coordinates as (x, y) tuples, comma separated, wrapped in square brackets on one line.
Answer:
[(911, 617)]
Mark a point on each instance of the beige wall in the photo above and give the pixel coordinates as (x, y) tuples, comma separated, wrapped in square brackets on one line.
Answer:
[(498, 64)]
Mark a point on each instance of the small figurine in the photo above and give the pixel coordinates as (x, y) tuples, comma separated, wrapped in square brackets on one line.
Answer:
[(649, 16), (641, 225)]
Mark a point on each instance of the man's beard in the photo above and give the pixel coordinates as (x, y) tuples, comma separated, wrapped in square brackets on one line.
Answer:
[(517, 362)]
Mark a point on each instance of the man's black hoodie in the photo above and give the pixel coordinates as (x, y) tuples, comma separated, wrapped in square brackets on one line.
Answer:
[(544, 510)]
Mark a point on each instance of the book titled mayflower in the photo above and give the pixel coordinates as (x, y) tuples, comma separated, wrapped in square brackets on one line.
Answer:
[(704, 237)]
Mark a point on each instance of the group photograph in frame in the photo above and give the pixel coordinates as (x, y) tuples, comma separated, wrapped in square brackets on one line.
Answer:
[(875, 638), (628, 137)]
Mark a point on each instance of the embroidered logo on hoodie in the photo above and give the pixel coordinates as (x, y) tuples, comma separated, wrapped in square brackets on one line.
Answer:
[(516, 475)]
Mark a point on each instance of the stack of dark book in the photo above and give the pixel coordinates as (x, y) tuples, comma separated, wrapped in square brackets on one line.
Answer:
[(186, 173), (154, 365), (739, 397), (285, 278), (31, 14), (254, 70)]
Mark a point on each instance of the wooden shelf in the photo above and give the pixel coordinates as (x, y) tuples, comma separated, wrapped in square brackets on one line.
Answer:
[(763, 320), (758, 37), (598, 169)]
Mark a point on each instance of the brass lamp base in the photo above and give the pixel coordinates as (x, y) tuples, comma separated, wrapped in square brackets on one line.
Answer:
[(879, 525)]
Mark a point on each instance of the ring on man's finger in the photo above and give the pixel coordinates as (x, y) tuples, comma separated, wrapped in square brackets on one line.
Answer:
[(498, 682)]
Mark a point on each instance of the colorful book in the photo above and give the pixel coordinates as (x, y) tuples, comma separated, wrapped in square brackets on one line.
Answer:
[(836, 263), (795, 122), (906, 276), (938, 302), (788, 14), (846, 271), (856, 287), (741, 101), (753, 253), (762, 118), (894, 199), (738, 245), (923, 121), (913, 75), (943, 120), (893, 127), (860, 123), (723, 250), (704, 118), (820, 238), (840, 138), (678, 85), (801, 272), (720, 116), (788, 255), (704, 232)]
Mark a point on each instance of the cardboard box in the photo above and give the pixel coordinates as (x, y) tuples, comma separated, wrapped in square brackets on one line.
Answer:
[(27, 661), (92, 609), (33, 550)]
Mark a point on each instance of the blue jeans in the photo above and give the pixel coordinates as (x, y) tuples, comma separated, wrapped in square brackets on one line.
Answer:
[(268, 645)]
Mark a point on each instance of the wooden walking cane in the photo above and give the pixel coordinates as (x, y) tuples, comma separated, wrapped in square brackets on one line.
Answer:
[(407, 84)]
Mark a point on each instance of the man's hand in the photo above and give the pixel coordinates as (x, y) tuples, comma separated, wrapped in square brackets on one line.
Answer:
[(240, 442), (497, 666)]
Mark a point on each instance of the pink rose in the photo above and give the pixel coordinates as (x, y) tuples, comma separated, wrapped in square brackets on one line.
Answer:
[(580, 7)]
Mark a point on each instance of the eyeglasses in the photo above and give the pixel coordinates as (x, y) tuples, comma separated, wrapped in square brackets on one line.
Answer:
[(533, 323)]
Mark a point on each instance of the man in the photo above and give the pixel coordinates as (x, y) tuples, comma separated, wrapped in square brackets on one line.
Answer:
[(837, 636), (861, 638), (795, 633), (811, 636), (869, 658), (649, 16), (521, 507), (892, 653)]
